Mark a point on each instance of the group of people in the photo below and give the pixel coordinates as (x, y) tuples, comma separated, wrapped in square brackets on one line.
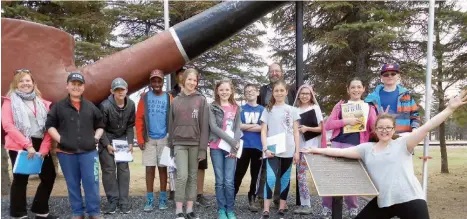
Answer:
[(183, 121)]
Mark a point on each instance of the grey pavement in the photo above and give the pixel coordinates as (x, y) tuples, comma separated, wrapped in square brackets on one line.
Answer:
[(60, 207)]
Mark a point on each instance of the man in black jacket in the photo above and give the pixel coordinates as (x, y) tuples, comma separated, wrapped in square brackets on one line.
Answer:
[(76, 124), (118, 113), (275, 73)]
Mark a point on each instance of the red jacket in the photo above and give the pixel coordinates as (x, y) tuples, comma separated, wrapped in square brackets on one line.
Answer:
[(14, 139), (142, 118)]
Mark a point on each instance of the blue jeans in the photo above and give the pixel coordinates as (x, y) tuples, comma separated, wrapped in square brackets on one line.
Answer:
[(224, 170), (77, 168)]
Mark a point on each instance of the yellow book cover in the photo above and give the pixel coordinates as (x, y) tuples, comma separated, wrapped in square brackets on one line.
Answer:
[(353, 110)]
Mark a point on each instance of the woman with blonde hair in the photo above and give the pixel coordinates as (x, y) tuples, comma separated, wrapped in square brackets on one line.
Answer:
[(24, 113)]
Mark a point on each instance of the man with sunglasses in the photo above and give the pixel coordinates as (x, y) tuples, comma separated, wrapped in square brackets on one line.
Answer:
[(393, 98)]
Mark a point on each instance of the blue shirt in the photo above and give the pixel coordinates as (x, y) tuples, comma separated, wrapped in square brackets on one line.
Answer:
[(157, 113), (389, 99), (251, 115)]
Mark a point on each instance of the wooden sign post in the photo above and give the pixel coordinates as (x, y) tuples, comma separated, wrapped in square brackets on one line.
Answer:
[(338, 177)]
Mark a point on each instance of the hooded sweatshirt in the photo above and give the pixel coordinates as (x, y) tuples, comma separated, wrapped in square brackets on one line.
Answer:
[(407, 117), (322, 137), (119, 122), (189, 122)]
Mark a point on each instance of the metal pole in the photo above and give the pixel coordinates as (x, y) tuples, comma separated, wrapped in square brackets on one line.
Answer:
[(429, 57), (298, 66), (167, 26)]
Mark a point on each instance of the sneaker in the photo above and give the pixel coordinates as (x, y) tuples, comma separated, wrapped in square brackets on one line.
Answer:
[(163, 203), (201, 200), (49, 216), (299, 210), (180, 216), (111, 208), (125, 209), (265, 215), (326, 213), (259, 203), (149, 206), (353, 212), (231, 215), (221, 214), (281, 213), (191, 215), (306, 210), (252, 207)]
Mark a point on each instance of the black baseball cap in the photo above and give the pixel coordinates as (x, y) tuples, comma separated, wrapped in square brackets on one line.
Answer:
[(75, 76)]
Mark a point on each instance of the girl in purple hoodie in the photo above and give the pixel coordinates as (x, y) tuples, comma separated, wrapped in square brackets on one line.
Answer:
[(311, 135), (336, 123)]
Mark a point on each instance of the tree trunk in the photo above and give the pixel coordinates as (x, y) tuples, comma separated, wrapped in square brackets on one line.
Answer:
[(438, 47), (6, 182), (442, 139)]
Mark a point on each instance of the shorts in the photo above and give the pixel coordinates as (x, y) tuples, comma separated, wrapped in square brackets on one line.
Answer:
[(152, 152), (203, 165)]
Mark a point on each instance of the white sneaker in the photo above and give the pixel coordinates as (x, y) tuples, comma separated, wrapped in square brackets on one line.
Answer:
[(353, 212), (326, 212)]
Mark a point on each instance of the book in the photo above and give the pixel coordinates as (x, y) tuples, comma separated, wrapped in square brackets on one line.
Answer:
[(354, 110), (226, 147), (276, 143), (26, 166), (122, 151)]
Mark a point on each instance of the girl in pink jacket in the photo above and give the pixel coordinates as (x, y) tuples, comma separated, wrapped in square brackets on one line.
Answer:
[(24, 113), (339, 139)]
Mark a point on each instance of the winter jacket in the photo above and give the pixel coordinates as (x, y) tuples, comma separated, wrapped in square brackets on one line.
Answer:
[(142, 117), (189, 122), (407, 117), (216, 118), (119, 122), (76, 128), (335, 122), (14, 139)]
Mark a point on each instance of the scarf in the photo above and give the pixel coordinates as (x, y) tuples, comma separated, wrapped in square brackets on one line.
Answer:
[(20, 114)]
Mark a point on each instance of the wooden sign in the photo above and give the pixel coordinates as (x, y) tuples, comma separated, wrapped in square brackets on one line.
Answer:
[(339, 176)]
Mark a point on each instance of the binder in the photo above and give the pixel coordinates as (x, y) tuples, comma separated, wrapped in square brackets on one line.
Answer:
[(26, 166)]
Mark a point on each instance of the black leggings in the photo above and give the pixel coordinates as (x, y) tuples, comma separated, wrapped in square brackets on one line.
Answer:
[(40, 204), (249, 155), (415, 209)]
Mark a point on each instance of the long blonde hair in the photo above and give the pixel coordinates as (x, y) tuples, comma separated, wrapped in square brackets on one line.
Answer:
[(17, 78), (188, 72), (232, 89)]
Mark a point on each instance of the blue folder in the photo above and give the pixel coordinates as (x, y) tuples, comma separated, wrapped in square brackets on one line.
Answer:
[(26, 166)]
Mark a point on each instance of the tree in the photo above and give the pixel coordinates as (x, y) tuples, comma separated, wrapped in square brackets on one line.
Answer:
[(349, 39), (86, 21), (449, 48), (234, 58)]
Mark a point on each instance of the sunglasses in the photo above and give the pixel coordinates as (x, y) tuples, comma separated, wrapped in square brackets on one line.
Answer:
[(22, 70), (389, 74)]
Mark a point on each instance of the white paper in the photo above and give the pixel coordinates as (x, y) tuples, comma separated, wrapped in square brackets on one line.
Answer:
[(122, 151), (166, 160), (226, 146), (278, 140)]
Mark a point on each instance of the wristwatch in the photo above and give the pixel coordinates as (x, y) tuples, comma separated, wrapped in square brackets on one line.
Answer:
[(264, 150)]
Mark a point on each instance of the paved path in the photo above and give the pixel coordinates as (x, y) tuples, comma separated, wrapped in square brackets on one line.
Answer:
[(60, 206)]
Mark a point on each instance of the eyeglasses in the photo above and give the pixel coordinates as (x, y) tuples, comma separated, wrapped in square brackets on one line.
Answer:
[(305, 94), (389, 74), (249, 91), (384, 129), (22, 70)]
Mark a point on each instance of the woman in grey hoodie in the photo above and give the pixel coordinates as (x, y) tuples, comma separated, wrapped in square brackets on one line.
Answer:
[(188, 140)]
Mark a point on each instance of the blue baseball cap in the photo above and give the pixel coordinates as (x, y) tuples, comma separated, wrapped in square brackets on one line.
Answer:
[(390, 67)]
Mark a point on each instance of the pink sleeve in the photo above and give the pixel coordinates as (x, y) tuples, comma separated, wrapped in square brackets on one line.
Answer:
[(333, 121), (10, 128), (323, 138), (371, 119)]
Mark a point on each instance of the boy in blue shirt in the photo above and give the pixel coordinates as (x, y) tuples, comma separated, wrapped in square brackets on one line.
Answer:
[(250, 116)]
